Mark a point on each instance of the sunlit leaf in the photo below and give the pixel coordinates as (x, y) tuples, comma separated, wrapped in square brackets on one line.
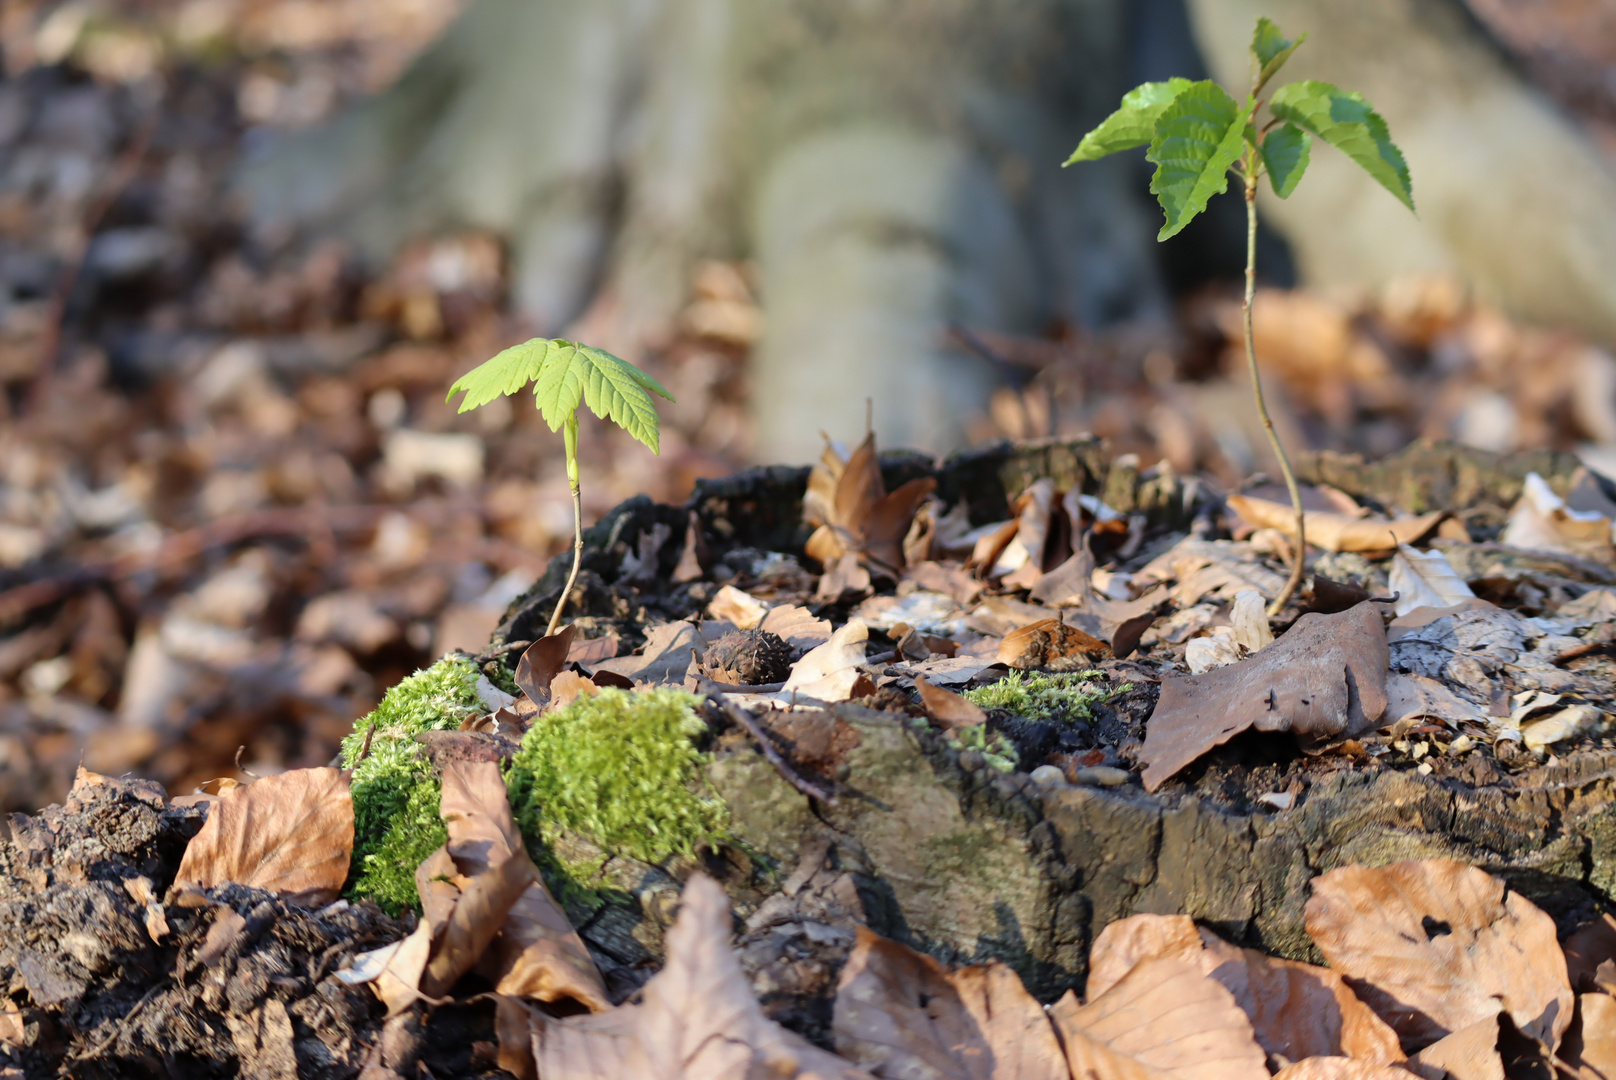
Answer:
[(1133, 124), (1197, 138), (1346, 121), (1270, 49)]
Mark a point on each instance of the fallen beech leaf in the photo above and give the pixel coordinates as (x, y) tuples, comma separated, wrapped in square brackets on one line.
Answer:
[(1126, 637), (1591, 1045), (1328, 597), (854, 513), (394, 970), (999, 615), (741, 608), (1249, 616), (1425, 579), (513, 1027), (537, 954), (1590, 945), (1298, 1010), (1069, 585), (1437, 946), (948, 708), (1470, 1053), (1339, 1068), (663, 661), (695, 559), (1541, 521), (796, 626), (568, 687), (591, 651), (1052, 644), (542, 661), (1166, 1016), (902, 1014), (1324, 679), (290, 834), (1336, 532), (1122, 945), (948, 578), (1204, 654), (844, 685), (845, 649), (1422, 697), (698, 1020), (844, 576), (478, 914)]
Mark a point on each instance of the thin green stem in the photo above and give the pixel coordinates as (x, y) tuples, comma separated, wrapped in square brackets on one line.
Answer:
[(570, 434), (1300, 553)]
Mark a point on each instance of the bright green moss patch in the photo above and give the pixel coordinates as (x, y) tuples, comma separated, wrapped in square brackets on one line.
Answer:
[(999, 751), (1037, 696), (619, 769), (396, 820)]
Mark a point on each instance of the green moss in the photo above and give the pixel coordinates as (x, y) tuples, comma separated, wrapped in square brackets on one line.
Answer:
[(1037, 696), (999, 751), (620, 770), (396, 820)]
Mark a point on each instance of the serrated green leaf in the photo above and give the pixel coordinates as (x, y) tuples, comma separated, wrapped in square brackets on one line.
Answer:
[(1131, 125), (1285, 154), (509, 371), (1197, 138), (1346, 121), (1270, 49), (565, 374)]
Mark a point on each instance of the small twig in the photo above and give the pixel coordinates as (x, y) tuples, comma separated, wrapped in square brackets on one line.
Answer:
[(744, 688), (498, 651), (744, 718), (1584, 649)]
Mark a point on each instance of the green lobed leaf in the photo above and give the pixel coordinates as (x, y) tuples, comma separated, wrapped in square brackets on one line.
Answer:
[(565, 374), (1270, 49), (1131, 125), (1346, 121), (1285, 154), (1197, 138)]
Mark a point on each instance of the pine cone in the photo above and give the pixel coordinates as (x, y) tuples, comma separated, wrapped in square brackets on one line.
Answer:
[(747, 658)]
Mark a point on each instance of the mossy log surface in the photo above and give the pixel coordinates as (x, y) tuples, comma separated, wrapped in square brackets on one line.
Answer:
[(964, 861)]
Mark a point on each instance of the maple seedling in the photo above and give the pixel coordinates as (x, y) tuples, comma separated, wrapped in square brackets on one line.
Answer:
[(563, 374), (1197, 134)]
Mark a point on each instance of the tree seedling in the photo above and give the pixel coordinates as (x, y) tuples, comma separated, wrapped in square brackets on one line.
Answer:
[(1198, 134), (563, 374)]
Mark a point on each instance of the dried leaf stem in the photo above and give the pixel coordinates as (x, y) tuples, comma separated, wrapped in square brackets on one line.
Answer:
[(1299, 556)]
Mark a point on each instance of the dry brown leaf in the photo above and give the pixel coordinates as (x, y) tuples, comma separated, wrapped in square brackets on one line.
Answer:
[(845, 577), (394, 970), (1324, 679), (947, 578), (742, 609), (1591, 944), (1590, 1046), (698, 1020), (1541, 521), (567, 687), (1437, 946), (948, 708), (1339, 1068), (1299, 1010), (1336, 532), (1296, 1010), (513, 1028), (1468, 1054), (1167, 1017), (537, 954), (478, 914), (591, 651), (796, 626), (1052, 644), (542, 661), (291, 834), (1425, 579), (1411, 697), (663, 661), (1122, 945), (853, 512), (845, 649), (902, 1014)]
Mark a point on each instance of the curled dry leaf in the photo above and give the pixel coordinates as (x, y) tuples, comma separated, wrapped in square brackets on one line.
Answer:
[(1166, 1017), (542, 661), (902, 1014), (948, 708), (1249, 616), (854, 513), (291, 834), (734, 606), (1425, 579), (394, 970), (537, 953), (1326, 678), (1541, 521), (1590, 945), (479, 912), (1337, 532), (1436, 946), (845, 649), (698, 1019)]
